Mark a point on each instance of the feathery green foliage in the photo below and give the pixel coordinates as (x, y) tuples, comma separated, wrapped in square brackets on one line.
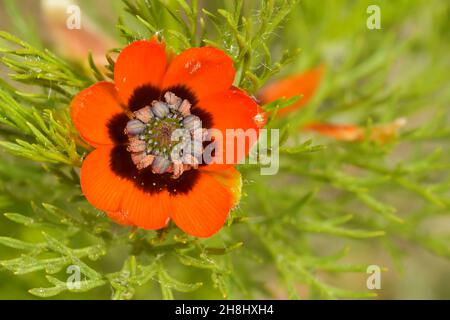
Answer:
[(295, 231)]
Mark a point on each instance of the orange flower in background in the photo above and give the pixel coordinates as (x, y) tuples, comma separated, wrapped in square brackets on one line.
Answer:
[(74, 44), (351, 133), (136, 174), (304, 84)]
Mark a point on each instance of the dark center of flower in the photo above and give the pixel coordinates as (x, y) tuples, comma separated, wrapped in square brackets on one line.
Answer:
[(161, 135)]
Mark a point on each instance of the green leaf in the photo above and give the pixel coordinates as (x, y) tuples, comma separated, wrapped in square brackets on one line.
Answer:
[(21, 245)]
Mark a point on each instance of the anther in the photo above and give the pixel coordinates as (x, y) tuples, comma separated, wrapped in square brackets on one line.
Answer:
[(172, 100), (136, 145), (144, 114), (185, 108), (192, 122), (137, 157), (142, 160), (134, 127), (160, 109), (160, 165), (178, 169), (145, 162), (151, 140)]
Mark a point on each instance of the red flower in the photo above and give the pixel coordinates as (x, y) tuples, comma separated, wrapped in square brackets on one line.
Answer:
[(135, 173), (304, 84)]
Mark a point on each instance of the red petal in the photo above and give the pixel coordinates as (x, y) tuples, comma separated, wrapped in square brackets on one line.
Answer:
[(144, 210), (205, 71), (92, 109), (141, 63), (233, 109), (119, 218), (232, 180), (101, 186), (202, 211), (123, 201)]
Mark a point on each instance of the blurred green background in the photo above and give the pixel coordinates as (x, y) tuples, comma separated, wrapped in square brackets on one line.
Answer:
[(331, 32)]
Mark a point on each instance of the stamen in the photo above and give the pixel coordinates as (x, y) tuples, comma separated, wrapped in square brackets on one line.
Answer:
[(134, 127), (145, 114), (136, 145), (185, 108), (142, 160), (178, 169), (172, 100), (192, 122), (154, 141), (160, 165), (147, 161), (137, 157), (160, 109)]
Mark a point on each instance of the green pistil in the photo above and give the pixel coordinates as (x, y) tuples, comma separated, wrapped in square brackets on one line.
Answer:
[(158, 134)]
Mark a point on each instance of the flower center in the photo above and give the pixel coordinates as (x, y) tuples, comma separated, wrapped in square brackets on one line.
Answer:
[(160, 136)]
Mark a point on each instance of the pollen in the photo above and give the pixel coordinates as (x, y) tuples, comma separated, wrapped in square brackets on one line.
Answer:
[(163, 136)]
